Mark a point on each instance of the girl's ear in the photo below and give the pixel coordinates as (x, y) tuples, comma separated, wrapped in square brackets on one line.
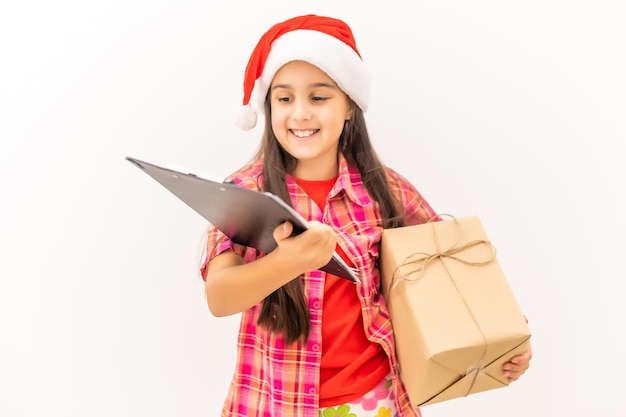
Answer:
[(352, 107)]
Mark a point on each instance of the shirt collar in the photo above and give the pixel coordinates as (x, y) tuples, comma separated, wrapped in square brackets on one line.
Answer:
[(349, 180)]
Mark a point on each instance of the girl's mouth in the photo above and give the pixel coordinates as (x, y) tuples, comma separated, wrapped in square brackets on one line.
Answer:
[(303, 134)]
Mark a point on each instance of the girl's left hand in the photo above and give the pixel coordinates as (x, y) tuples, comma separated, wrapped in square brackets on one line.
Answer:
[(516, 367)]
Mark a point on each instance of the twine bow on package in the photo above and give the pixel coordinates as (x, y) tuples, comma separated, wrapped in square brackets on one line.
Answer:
[(455, 318)]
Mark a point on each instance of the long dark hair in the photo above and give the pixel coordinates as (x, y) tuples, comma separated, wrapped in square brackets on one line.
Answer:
[(286, 309)]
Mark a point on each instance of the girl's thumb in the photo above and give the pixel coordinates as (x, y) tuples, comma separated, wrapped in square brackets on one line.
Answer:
[(283, 231)]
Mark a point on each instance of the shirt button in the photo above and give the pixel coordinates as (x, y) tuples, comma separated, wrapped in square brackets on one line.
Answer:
[(312, 391), (315, 347), (317, 305)]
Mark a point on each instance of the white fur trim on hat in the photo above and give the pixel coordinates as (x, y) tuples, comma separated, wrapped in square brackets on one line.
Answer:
[(326, 52)]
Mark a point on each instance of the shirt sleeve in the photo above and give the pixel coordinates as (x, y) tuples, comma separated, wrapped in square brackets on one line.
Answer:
[(416, 209), (216, 243)]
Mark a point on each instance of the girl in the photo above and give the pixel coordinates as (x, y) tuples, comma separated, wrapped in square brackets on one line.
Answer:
[(311, 344)]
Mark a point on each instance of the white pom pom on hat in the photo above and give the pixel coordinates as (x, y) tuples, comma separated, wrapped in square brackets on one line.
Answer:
[(325, 42), (246, 120)]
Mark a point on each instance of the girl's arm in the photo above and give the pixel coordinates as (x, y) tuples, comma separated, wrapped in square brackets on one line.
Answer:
[(233, 286)]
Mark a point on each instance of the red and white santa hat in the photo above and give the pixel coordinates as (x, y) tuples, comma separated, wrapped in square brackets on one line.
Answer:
[(325, 42)]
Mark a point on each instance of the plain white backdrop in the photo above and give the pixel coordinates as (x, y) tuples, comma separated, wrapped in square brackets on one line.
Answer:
[(511, 110)]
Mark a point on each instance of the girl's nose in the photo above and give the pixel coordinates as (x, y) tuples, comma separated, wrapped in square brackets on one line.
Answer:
[(301, 110)]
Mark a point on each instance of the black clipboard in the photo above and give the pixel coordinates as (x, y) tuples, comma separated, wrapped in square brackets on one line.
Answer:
[(248, 217)]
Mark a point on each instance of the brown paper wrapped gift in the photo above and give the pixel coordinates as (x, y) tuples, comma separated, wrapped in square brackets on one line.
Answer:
[(455, 318)]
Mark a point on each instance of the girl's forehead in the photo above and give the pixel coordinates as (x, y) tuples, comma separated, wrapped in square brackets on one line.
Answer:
[(301, 72)]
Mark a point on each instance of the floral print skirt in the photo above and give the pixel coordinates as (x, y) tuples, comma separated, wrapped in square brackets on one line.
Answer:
[(379, 402)]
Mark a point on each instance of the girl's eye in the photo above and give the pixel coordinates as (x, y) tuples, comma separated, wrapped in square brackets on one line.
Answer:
[(318, 98), (283, 99)]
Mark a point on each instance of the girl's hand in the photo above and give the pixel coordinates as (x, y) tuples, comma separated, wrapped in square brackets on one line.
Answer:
[(310, 250), (516, 367)]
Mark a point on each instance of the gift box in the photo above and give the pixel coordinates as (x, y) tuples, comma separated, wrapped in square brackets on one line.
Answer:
[(455, 318)]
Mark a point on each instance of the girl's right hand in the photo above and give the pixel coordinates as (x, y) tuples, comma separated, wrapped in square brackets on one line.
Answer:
[(232, 285), (308, 251)]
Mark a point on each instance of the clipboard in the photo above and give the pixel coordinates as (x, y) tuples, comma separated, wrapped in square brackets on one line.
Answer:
[(247, 217)]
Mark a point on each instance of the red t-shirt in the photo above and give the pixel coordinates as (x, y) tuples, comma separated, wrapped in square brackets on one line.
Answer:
[(351, 364)]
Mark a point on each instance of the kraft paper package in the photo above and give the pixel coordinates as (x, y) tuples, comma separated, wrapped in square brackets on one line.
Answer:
[(455, 318)]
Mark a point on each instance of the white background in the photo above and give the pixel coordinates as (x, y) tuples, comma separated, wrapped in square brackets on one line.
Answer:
[(511, 110)]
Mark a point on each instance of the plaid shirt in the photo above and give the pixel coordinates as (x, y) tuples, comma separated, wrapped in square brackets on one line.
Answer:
[(273, 379)]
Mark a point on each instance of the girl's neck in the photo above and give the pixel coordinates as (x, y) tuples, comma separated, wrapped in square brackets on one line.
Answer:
[(316, 171)]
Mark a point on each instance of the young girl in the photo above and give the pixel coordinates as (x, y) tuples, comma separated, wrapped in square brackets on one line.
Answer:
[(312, 344)]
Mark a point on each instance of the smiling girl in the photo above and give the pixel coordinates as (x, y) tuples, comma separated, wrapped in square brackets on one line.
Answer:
[(312, 344)]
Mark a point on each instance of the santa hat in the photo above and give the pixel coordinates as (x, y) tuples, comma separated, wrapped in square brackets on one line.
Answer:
[(325, 42)]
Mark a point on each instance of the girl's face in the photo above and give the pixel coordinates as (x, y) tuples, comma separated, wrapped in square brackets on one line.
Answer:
[(308, 115)]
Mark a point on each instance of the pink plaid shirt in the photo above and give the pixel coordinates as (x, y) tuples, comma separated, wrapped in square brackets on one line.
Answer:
[(273, 379)]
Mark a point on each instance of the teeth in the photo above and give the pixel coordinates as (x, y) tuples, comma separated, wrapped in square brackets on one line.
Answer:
[(303, 133)]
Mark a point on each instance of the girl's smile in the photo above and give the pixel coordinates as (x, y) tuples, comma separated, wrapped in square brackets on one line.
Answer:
[(304, 134)]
